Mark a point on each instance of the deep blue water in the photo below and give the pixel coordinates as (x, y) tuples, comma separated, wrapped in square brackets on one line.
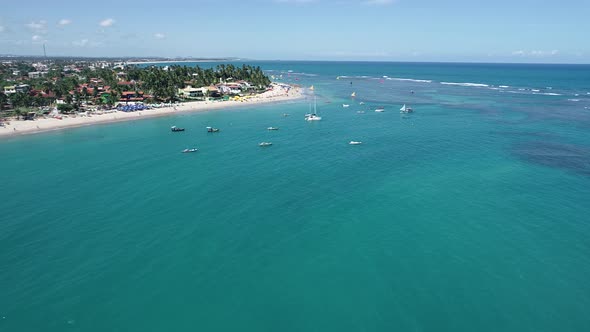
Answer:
[(470, 214)]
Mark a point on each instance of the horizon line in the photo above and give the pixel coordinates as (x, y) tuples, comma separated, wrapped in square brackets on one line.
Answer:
[(233, 58)]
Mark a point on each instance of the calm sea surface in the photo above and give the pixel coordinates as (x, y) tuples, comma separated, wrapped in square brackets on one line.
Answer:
[(471, 214)]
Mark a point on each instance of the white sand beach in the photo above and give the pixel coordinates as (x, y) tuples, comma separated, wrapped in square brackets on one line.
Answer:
[(20, 127)]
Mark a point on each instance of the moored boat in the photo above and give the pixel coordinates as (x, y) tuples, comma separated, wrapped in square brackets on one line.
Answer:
[(174, 128), (212, 130), (190, 150), (313, 116), (406, 109), (355, 143), (265, 144), (272, 128)]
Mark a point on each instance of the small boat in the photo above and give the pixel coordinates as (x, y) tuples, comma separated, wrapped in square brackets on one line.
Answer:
[(212, 130), (264, 144), (362, 103), (345, 105), (353, 94), (311, 88), (313, 116), (285, 114), (380, 109), (360, 112), (405, 109), (272, 128), (174, 128), (189, 150), (355, 143)]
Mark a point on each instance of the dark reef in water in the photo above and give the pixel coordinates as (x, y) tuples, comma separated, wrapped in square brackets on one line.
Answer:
[(568, 157)]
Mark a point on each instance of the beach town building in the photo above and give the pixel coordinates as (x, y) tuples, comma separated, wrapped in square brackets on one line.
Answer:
[(37, 74), (9, 89), (127, 96), (24, 88), (192, 93), (212, 91), (233, 88)]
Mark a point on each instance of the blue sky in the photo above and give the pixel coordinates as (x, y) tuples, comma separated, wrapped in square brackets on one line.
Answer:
[(381, 30)]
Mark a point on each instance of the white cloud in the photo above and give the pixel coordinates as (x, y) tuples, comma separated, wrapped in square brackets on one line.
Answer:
[(37, 39), (159, 35), (80, 43), (107, 22), (87, 43), (379, 2), (38, 27), (64, 21), (535, 53)]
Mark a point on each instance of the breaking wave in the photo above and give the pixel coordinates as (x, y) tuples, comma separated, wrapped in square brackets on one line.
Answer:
[(466, 84)]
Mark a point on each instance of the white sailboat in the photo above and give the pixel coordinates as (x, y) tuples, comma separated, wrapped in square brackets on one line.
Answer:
[(405, 109), (353, 94), (313, 116)]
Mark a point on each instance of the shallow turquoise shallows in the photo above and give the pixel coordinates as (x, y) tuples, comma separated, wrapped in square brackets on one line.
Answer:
[(470, 214)]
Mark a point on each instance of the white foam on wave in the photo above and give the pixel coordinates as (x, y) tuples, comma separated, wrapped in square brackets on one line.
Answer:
[(503, 86), (574, 99), (301, 73), (466, 84), (409, 80), (535, 90), (546, 93)]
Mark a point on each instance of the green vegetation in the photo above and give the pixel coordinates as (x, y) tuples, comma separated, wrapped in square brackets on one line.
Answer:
[(78, 83), (163, 84)]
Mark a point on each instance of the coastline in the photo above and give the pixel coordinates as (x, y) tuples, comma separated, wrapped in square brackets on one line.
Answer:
[(151, 62), (22, 127)]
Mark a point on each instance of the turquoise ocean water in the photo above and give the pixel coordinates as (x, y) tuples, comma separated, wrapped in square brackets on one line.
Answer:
[(472, 214)]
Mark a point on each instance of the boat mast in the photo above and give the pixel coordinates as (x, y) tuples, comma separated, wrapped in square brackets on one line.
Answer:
[(314, 105)]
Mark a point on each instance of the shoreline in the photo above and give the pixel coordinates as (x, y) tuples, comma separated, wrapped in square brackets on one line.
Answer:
[(43, 125), (179, 61)]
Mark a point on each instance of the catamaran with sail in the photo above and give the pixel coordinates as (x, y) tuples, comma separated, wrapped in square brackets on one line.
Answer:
[(406, 109), (313, 116)]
